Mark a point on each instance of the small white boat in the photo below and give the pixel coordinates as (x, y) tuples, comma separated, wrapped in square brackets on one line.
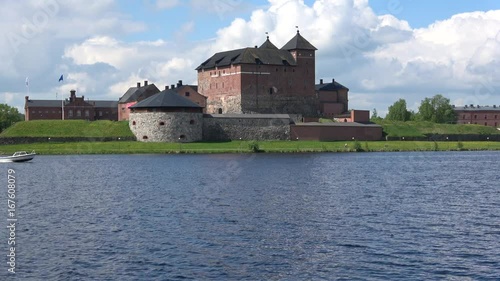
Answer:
[(19, 156)]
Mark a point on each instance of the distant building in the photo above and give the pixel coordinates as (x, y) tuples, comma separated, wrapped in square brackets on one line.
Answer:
[(191, 92), (333, 98), (480, 115), (72, 108), (134, 95)]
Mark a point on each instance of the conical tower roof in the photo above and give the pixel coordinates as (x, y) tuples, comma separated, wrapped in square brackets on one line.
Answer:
[(268, 45), (298, 43)]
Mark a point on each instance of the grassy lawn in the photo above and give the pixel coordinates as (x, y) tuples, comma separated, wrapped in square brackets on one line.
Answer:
[(68, 128), (419, 129), (130, 147)]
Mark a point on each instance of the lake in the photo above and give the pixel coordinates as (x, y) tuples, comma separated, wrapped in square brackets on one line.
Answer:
[(339, 216)]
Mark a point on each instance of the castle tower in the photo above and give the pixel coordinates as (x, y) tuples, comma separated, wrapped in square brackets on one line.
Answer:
[(304, 54)]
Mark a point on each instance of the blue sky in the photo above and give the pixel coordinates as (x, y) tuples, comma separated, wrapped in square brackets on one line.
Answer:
[(382, 50)]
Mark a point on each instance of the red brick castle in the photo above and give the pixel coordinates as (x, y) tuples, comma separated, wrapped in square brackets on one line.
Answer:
[(267, 80)]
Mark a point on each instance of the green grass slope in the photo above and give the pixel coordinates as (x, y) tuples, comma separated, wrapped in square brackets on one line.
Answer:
[(419, 129), (68, 128)]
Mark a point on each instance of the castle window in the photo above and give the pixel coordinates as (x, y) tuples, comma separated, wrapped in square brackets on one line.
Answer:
[(186, 94), (191, 122), (220, 110), (70, 113), (100, 113), (485, 123), (87, 113), (475, 117), (33, 111), (293, 70), (463, 117), (78, 113), (485, 116), (133, 123), (144, 137), (162, 123), (182, 137), (496, 124), (496, 116)]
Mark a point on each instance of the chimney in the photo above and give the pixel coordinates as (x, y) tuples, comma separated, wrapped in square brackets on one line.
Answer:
[(494, 106), (179, 83), (321, 81), (145, 82), (453, 105), (166, 87), (333, 81), (172, 86), (138, 84), (465, 106), (27, 98), (72, 95), (256, 47), (471, 105)]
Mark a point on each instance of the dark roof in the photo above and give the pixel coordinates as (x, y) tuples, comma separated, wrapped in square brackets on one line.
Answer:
[(104, 103), (166, 98), (194, 87), (339, 124), (249, 56), (298, 43), (134, 93), (247, 116), (57, 103), (477, 108), (333, 86), (268, 45)]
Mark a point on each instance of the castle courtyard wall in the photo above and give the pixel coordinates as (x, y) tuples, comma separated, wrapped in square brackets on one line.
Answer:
[(246, 127)]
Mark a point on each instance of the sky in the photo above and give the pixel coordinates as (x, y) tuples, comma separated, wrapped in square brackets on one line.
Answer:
[(382, 50)]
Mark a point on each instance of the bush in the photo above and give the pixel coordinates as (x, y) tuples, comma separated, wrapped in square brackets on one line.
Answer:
[(254, 147), (460, 145), (357, 146)]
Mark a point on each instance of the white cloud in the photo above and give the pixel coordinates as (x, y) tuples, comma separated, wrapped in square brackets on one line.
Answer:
[(379, 57), (167, 4)]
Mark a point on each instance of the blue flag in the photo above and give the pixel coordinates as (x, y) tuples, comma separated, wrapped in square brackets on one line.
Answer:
[(61, 78)]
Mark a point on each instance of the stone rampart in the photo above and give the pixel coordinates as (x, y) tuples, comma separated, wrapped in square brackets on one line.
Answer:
[(246, 127), (167, 126)]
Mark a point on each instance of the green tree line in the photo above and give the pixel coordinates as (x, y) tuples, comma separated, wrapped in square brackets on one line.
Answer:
[(436, 109)]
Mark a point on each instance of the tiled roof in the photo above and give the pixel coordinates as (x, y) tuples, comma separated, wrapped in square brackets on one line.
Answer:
[(57, 103), (333, 86), (268, 45), (248, 116), (166, 98), (298, 43), (477, 108), (249, 56), (135, 93)]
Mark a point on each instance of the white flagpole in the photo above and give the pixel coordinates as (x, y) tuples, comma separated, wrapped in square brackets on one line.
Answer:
[(62, 106)]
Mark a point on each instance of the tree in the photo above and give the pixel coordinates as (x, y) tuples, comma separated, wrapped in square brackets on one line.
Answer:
[(436, 109), (8, 116), (398, 111), (375, 116)]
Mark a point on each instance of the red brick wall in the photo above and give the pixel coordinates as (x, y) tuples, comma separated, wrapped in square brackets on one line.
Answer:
[(486, 118), (188, 92), (43, 113)]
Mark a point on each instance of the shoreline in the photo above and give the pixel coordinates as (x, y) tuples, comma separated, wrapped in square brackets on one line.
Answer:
[(244, 147)]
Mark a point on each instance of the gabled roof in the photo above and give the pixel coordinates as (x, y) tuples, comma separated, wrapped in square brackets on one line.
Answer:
[(166, 98), (249, 56), (57, 103), (268, 45), (298, 43), (333, 86), (135, 93)]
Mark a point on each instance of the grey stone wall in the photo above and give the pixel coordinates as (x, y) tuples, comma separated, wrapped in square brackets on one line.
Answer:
[(277, 104), (246, 127), (166, 126), (229, 104)]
